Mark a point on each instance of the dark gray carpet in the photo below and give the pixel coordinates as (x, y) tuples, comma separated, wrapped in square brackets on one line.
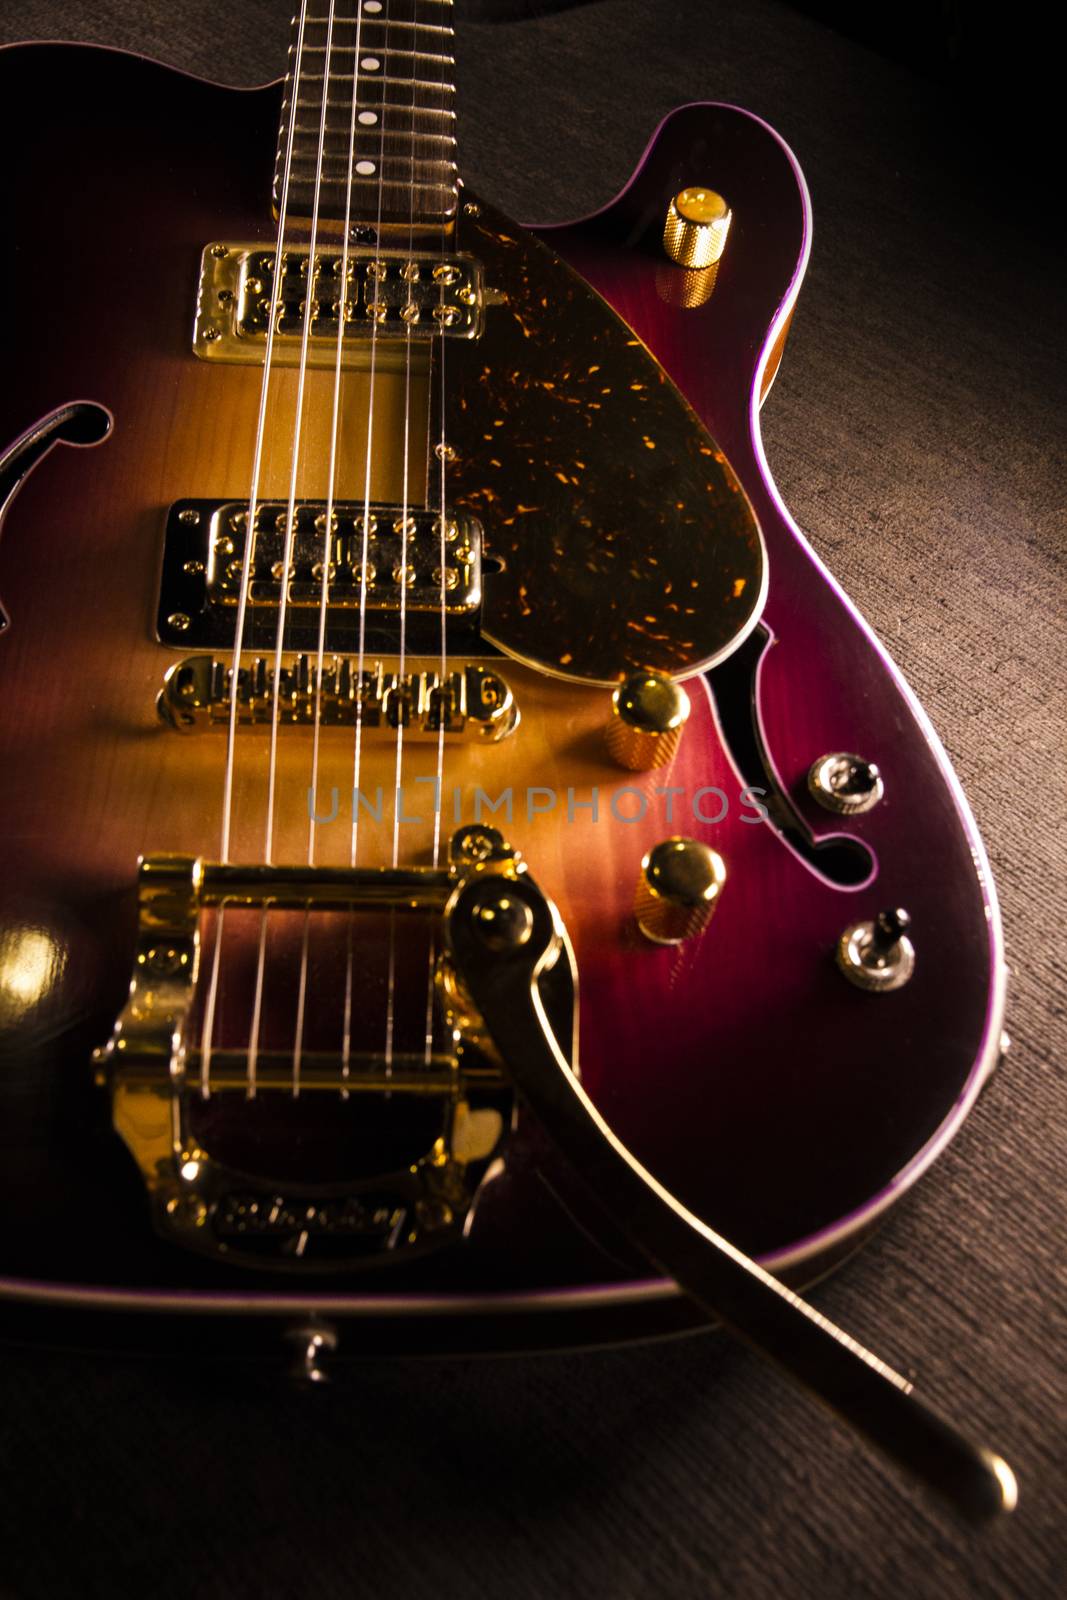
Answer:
[(916, 430)]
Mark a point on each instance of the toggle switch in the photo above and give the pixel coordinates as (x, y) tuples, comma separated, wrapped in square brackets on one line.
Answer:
[(878, 955)]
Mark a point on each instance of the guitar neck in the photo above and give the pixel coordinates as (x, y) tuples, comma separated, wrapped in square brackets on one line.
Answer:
[(379, 147)]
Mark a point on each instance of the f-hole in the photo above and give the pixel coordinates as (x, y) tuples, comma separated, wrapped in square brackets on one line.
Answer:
[(841, 859), (81, 423)]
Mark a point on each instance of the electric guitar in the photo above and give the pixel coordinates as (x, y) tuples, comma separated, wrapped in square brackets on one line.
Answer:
[(460, 843)]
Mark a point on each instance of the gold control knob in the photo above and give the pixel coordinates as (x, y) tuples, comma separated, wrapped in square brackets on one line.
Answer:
[(698, 221), (648, 714), (678, 890)]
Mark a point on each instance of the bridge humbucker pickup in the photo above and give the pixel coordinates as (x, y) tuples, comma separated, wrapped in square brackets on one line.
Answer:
[(471, 702), (379, 556), (395, 294)]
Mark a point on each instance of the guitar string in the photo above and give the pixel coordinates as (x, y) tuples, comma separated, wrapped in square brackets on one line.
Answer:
[(442, 527), (364, 583), (444, 704), (208, 1028), (390, 1000), (295, 458), (323, 596), (346, 1020)]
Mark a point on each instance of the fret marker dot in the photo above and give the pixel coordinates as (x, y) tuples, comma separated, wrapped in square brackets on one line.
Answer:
[(365, 168), (373, 6), (370, 63), (368, 118)]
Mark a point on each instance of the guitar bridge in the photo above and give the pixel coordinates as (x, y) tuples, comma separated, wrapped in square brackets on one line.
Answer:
[(470, 702), (285, 1101)]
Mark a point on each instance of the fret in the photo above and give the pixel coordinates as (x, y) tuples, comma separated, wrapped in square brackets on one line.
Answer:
[(422, 206), (379, 16), (413, 84), (379, 22), (372, 185), (335, 149), (370, 95), (376, 132), (419, 55), (409, 163), (382, 105), (407, 21)]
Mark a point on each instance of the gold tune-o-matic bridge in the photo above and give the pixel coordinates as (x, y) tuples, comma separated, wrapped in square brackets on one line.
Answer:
[(470, 702)]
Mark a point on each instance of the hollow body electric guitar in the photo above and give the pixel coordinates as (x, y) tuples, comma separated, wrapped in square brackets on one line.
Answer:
[(423, 725)]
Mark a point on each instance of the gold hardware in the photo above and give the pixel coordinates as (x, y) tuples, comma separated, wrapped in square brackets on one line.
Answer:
[(878, 956), (471, 702), (845, 783), (504, 922), (409, 296), (698, 221), (152, 1064), (678, 890), (648, 715), (687, 289), (203, 572)]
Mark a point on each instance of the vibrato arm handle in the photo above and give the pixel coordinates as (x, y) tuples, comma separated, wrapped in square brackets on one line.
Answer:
[(504, 933)]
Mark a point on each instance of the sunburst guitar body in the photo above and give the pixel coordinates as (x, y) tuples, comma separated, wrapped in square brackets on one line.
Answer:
[(248, 1068)]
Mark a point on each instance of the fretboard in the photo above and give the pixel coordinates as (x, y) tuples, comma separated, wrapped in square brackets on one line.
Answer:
[(388, 78)]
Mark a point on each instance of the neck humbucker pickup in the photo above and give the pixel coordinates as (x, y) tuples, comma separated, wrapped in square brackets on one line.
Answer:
[(387, 295)]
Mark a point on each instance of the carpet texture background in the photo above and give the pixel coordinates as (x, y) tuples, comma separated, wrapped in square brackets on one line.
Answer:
[(916, 432)]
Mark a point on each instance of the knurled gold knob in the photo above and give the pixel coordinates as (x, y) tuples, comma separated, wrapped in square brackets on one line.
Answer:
[(678, 890), (648, 714), (698, 221)]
